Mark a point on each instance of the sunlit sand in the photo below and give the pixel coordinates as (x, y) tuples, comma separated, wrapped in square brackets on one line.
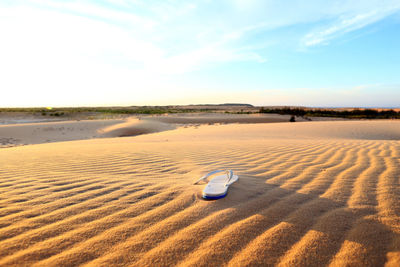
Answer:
[(22, 129), (309, 193)]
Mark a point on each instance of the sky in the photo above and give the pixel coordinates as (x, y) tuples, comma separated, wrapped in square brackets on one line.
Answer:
[(316, 53)]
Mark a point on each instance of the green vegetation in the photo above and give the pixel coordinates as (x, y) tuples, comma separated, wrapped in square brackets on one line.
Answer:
[(117, 110), (229, 109), (350, 114)]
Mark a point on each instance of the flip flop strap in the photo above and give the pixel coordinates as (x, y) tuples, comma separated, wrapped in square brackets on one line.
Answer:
[(208, 175), (230, 176)]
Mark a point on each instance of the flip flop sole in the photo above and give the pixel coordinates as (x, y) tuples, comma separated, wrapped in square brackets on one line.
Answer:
[(214, 197)]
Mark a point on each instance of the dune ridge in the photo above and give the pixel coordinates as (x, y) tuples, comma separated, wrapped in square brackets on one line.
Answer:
[(307, 196)]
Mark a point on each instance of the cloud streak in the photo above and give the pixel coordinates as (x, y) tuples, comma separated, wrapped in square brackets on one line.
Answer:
[(347, 23)]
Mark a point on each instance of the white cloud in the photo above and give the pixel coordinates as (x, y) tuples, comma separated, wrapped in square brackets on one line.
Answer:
[(96, 12), (176, 37), (352, 20), (131, 49)]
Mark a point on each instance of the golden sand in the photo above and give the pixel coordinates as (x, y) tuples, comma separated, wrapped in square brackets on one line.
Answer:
[(35, 131), (309, 194)]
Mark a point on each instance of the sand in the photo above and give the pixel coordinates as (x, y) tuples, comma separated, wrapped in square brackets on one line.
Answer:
[(47, 132), (25, 129), (309, 194)]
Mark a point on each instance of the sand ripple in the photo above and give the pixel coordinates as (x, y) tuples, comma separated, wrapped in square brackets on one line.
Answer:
[(129, 201)]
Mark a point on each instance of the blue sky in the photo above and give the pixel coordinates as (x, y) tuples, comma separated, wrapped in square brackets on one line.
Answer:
[(142, 52)]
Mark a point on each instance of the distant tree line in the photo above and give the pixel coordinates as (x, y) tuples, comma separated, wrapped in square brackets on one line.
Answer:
[(112, 110), (353, 114), (299, 112)]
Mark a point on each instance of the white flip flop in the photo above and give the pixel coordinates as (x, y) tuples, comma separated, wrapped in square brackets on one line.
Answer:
[(218, 186)]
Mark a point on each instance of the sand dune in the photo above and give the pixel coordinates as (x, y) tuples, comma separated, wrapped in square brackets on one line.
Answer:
[(23, 129), (45, 132), (309, 194), (48, 132), (133, 127), (209, 118)]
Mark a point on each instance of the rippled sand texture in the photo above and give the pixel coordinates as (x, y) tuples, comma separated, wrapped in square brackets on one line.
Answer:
[(309, 194)]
